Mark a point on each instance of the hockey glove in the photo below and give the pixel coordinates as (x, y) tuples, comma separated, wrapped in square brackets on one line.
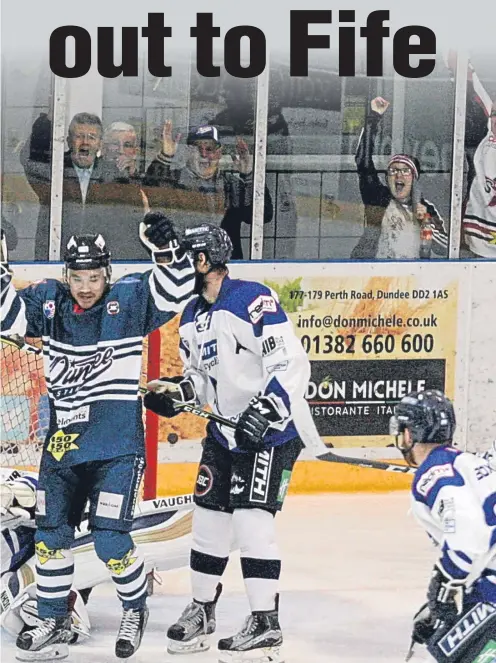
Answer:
[(158, 234), (253, 424), (445, 596), (166, 392), (424, 626)]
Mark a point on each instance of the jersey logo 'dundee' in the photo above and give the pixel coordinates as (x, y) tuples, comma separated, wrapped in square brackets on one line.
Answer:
[(118, 566), (60, 443), (44, 554)]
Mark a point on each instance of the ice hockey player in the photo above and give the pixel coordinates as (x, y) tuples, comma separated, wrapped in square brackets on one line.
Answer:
[(242, 358), (163, 527), (454, 499), (92, 333)]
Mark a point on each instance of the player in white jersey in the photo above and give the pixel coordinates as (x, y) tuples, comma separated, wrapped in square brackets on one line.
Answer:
[(454, 499), (162, 527), (242, 358)]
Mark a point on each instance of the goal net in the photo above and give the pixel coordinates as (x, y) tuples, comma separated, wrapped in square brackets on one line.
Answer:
[(25, 408)]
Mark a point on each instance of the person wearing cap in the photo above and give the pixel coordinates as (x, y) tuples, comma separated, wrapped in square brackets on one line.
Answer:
[(199, 191), (396, 212)]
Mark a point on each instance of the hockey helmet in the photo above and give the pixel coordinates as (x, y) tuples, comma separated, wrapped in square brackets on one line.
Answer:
[(86, 252), (211, 240), (428, 416)]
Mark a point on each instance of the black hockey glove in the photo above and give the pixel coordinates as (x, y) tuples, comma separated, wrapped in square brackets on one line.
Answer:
[(254, 423), (166, 392), (158, 234), (423, 625), (445, 596)]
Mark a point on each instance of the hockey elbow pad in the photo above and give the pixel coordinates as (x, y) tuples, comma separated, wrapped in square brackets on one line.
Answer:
[(165, 393)]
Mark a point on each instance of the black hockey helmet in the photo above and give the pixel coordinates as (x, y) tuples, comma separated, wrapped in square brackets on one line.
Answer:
[(86, 252), (428, 416), (211, 240)]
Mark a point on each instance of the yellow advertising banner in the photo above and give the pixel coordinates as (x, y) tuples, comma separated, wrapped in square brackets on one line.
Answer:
[(373, 333), (371, 339)]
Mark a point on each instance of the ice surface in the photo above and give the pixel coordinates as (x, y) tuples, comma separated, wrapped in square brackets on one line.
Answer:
[(355, 569)]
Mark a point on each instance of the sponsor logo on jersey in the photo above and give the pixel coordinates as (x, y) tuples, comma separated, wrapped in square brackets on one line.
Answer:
[(204, 481), (76, 417), (447, 513), (432, 476), (44, 554), (109, 505), (280, 366), (113, 307), (284, 485), (49, 309), (272, 344), (168, 502), (209, 354), (259, 489), (466, 627), (67, 374), (238, 484), (118, 566), (40, 503), (488, 654), (60, 443), (262, 304)]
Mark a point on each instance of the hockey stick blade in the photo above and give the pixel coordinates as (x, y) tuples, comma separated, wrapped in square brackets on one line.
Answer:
[(19, 343)]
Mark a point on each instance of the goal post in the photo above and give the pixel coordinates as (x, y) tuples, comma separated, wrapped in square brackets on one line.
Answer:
[(25, 412)]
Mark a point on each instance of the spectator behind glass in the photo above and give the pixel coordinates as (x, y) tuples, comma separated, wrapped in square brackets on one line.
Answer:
[(95, 198), (199, 191), (120, 146), (479, 218), (392, 226)]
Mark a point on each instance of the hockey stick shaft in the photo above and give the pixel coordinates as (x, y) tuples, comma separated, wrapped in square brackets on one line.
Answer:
[(327, 456), (20, 344)]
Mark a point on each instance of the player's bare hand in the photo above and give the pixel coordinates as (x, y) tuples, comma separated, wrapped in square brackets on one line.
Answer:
[(242, 158), (379, 105), (169, 144), (126, 164)]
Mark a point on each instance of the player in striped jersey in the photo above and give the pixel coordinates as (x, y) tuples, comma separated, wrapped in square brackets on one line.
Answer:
[(92, 333)]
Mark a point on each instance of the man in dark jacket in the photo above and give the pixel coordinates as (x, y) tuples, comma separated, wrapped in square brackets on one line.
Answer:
[(200, 191), (393, 212), (96, 197)]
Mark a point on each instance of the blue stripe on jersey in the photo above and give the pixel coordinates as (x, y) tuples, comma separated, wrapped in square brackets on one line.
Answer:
[(449, 566), (435, 472), (244, 299)]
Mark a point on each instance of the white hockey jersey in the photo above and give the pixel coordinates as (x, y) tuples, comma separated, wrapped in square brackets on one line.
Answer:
[(454, 499), (242, 346)]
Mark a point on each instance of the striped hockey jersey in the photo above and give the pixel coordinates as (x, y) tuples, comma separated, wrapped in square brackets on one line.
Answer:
[(92, 358), (454, 499)]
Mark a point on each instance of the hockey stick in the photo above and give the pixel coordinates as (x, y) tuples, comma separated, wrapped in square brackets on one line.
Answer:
[(19, 343), (327, 456)]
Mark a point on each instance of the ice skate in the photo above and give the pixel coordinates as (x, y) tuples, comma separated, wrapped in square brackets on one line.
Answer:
[(46, 642), (259, 640), (190, 633), (131, 630)]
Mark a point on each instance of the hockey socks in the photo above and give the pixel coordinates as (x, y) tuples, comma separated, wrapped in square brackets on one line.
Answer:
[(54, 574)]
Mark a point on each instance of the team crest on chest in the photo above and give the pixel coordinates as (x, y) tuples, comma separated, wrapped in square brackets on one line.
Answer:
[(49, 309), (113, 307)]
